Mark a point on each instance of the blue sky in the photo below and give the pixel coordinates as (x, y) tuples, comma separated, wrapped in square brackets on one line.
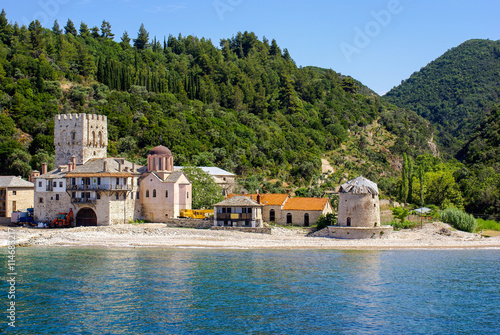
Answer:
[(379, 42)]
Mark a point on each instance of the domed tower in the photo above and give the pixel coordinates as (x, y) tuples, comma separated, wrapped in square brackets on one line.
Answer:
[(160, 159), (359, 204)]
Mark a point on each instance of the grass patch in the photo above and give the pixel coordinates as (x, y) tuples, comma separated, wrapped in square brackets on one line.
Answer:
[(459, 219), (487, 225)]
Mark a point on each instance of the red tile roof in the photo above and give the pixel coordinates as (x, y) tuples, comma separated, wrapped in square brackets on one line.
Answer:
[(266, 199), (305, 204)]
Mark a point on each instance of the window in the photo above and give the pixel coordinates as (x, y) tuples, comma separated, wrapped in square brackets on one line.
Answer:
[(138, 182), (73, 195), (137, 195), (98, 196), (187, 194), (348, 222), (73, 136), (166, 194), (54, 184), (39, 184), (289, 218), (117, 181), (14, 192), (60, 184), (98, 180), (57, 197), (40, 200), (117, 196), (147, 193), (154, 193), (73, 181), (272, 215)]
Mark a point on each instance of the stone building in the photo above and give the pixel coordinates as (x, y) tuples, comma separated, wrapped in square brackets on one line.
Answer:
[(225, 179), (103, 190), (16, 194), (282, 209), (359, 211), (238, 211)]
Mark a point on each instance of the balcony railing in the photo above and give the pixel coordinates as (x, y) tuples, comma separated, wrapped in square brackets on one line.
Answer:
[(103, 187), (234, 216), (83, 200)]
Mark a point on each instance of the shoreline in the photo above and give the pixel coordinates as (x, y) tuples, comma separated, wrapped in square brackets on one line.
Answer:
[(432, 236)]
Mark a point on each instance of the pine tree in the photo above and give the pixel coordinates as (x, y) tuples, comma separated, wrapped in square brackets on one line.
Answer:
[(95, 32), (5, 29), (106, 30), (125, 40), (70, 28), (84, 30), (142, 38), (35, 29), (56, 29)]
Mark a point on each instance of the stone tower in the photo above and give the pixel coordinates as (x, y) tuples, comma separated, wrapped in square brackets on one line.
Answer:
[(84, 136), (359, 204)]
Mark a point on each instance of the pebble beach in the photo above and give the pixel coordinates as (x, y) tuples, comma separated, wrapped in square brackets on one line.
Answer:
[(431, 236)]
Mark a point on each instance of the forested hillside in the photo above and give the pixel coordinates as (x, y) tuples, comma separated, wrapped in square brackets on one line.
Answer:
[(454, 92), (243, 105)]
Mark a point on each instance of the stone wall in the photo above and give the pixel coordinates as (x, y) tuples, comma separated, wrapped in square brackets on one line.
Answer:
[(189, 223), (359, 232), (245, 229), (81, 135), (362, 209)]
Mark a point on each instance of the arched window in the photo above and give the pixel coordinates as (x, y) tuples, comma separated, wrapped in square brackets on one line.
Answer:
[(100, 139), (306, 220), (160, 164), (166, 194), (154, 193), (147, 193), (272, 215), (93, 138), (289, 218)]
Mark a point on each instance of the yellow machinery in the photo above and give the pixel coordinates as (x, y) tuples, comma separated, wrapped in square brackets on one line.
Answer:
[(196, 213)]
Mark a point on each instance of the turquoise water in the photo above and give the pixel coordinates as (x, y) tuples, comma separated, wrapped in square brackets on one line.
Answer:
[(203, 291)]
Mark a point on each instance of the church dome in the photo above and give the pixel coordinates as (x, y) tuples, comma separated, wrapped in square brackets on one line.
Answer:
[(160, 150)]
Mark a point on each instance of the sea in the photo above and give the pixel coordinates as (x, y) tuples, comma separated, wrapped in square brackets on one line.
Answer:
[(67, 290)]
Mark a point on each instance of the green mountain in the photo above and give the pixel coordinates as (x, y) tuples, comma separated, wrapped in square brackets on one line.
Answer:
[(454, 92), (243, 105)]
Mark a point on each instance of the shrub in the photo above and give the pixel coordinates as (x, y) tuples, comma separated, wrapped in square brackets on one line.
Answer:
[(487, 225), (398, 225), (459, 219), (325, 221)]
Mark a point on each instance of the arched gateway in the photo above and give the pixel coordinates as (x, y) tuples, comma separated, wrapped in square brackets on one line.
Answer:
[(86, 217)]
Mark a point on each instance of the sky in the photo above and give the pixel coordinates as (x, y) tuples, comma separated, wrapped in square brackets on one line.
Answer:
[(378, 42)]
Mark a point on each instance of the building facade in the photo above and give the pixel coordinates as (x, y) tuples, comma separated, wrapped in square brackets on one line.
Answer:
[(16, 194), (101, 190), (282, 209), (238, 211)]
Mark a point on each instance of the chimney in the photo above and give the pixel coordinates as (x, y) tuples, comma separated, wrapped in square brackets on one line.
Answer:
[(105, 166), (258, 197), (119, 166), (73, 162), (44, 168), (70, 167), (133, 167)]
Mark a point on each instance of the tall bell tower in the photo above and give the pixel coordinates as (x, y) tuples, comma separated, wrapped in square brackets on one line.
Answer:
[(84, 136)]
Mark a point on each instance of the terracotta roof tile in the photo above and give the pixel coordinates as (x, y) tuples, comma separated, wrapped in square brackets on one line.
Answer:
[(265, 199), (305, 204)]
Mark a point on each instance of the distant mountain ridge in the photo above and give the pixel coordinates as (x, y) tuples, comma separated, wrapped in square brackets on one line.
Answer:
[(454, 92)]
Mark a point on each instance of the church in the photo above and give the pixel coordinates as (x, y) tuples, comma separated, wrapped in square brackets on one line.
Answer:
[(104, 190)]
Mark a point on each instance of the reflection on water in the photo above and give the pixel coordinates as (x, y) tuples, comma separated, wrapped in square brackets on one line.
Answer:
[(153, 291)]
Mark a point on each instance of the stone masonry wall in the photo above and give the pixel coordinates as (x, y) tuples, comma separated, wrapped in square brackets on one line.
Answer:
[(363, 209)]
